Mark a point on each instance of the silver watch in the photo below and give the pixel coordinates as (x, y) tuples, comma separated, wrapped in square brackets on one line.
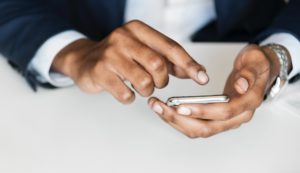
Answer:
[(281, 80)]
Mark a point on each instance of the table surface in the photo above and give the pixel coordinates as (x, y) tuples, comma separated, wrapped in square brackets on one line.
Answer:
[(64, 130)]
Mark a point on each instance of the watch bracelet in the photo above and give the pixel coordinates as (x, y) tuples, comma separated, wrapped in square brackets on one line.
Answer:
[(282, 54)]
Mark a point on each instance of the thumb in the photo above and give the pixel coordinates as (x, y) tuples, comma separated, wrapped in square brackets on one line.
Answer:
[(241, 85), (246, 78)]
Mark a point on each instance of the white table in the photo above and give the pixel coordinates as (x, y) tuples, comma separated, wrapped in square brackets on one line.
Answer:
[(66, 131)]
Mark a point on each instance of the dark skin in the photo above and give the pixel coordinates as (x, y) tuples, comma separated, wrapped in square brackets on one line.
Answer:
[(134, 52), (255, 70), (141, 55)]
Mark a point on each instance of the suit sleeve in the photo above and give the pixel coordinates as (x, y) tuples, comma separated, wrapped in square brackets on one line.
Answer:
[(287, 21), (286, 26), (24, 26)]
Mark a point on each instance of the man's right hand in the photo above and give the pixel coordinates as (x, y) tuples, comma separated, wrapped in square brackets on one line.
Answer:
[(134, 52)]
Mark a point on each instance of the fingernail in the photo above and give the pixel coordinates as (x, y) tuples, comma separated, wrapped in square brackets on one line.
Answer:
[(184, 111), (243, 84), (150, 102), (202, 77), (157, 108)]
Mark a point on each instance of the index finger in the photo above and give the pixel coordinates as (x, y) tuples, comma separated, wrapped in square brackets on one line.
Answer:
[(170, 49)]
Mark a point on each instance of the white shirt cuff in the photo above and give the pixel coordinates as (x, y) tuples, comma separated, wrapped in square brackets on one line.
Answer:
[(292, 44), (42, 61)]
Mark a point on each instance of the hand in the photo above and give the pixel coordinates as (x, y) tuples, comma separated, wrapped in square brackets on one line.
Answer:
[(254, 71), (134, 52)]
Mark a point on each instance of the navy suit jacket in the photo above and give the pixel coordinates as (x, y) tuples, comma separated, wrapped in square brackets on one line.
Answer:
[(26, 24)]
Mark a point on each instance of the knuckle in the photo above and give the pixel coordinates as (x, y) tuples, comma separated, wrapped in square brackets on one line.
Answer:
[(205, 132), (192, 135), (169, 118), (206, 135), (228, 113), (192, 63), (95, 71), (147, 92), (117, 34), (107, 53), (93, 89), (201, 132), (254, 50), (258, 53), (145, 82), (126, 97), (236, 126), (225, 127), (156, 64), (198, 112), (163, 82), (88, 87), (249, 118), (134, 24)]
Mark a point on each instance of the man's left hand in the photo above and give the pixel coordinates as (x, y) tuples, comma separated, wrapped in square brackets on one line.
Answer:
[(255, 69)]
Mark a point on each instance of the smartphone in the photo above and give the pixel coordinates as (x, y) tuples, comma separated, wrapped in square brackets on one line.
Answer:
[(176, 101)]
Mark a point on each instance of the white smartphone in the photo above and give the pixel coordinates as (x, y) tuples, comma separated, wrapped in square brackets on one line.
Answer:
[(176, 101)]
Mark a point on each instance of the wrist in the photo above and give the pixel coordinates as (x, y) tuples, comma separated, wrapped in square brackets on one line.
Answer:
[(274, 63), (67, 60)]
